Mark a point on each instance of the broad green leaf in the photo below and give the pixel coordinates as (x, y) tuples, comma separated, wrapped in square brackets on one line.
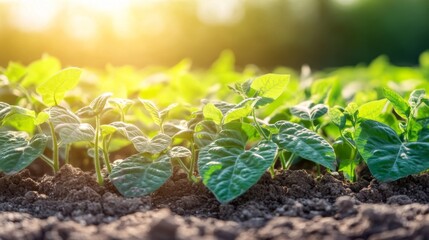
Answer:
[(387, 157), (75, 132), (137, 175), (211, 112), (164, 112), (229, 170), (54, 89), (21, 119), (15, 72), (59, 115), (308, 110), (153, 111), (17, 151), (270, 86), (153, 146), (128, 130), (348, 168), (379, 110), (304, 143), (179, 152), (241, 110), (352, 108), (41, 70), (399, 104), (178, 130), (337, 117), (42, 117), (205, 133), (416, 98), (326, 90)]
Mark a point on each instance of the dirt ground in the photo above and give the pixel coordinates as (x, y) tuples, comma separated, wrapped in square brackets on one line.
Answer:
[(293, 205)]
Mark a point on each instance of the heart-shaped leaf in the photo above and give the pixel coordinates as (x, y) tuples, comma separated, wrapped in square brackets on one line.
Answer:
[(211, 112), (387, 157), (96, 107), (205, 133), (54, 89), (153, 110), (22, 119), (269, 87), (179, 152), (17, 152), (399, 104), (229, 170), (308, 110), (304, 143), (241, 110), (75, 132), (59, 115), (137, 175), (153, 146), (128, 130)]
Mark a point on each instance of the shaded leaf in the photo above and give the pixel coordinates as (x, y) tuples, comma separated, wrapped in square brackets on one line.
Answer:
[(137, 175), (304, 143)]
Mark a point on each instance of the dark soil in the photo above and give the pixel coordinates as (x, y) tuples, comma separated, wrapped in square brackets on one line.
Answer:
[(293, 205)]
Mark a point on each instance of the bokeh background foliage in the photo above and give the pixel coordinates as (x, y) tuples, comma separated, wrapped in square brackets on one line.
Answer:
[(269, 33)]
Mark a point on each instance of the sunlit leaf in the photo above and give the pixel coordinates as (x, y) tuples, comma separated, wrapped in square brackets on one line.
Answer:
[(211, 112), (18, 151), (54, 89)]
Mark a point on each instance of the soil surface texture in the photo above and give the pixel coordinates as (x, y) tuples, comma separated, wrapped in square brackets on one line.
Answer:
[(293, 205)]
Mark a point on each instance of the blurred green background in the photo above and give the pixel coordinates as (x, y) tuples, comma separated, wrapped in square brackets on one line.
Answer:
[(268, 33)]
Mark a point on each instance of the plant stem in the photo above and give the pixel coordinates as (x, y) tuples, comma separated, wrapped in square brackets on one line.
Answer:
[(290, 161), (106, 154), (100, 180), (258, 127), (193, 158), (55, 153), (67, 160), (282, 160), (47, 160)]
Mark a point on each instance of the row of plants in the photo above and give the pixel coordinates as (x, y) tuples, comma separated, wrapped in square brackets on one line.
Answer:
[(338, 119)]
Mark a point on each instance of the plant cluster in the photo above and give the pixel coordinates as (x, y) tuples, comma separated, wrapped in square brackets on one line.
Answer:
[(265, 122)]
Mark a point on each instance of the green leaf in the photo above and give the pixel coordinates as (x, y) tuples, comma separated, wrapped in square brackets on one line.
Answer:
[(211, 112), (107, 130), (416, 98), (153, 146), (153, 111), (164, 112), (399, 104), (128, 130), (179, 152), (270, 86), (308, 110), (337, 117), (40, 70), (42, 117), (241, 110), (347, 161), (121, 103), (59, 115), (137, 175), (54, 89), (99, 103), (15, 72), (229, 170), (304, 143), (387, 157), (21, 119), (75, 132), (17, 152), (379, 110), (205, 133)]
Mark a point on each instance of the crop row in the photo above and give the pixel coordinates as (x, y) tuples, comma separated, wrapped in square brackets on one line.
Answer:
[(346, 118)]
